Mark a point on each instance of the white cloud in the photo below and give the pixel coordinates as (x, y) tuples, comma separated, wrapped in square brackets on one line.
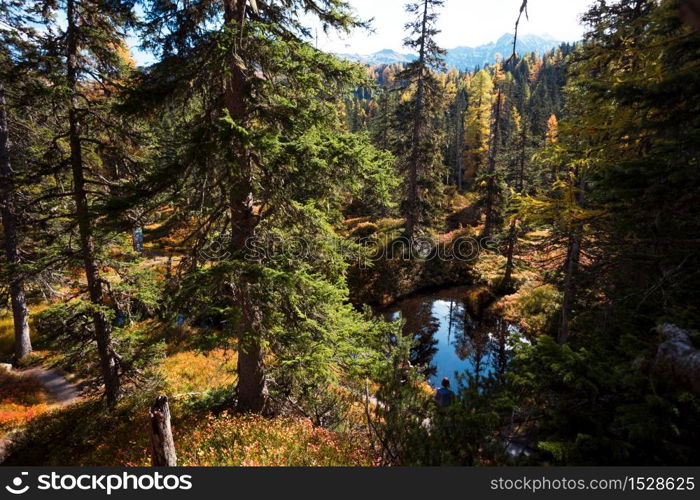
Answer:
[(463, 22)]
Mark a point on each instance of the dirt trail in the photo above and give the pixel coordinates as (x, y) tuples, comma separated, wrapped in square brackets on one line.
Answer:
[(58, 387)]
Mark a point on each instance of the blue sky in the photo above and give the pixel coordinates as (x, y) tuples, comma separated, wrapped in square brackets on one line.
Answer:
[(463, 22)]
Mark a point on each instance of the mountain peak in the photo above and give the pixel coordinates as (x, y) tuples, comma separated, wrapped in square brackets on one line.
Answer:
[(505, 38), (467, 58)]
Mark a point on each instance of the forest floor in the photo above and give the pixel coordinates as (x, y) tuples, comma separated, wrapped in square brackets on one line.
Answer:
[(42, 422)]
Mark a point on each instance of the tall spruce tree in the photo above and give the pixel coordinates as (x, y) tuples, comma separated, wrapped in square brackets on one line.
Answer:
[(419, 144), (259, 105), (81, 58), (20, 313), (490, 176), (517, 174)]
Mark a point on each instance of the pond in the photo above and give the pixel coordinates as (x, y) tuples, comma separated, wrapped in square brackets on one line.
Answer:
[(454, 335)]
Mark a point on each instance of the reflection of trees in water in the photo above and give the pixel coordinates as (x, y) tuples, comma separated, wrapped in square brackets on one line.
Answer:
[(420, 322), (483, 341), (500, 345)]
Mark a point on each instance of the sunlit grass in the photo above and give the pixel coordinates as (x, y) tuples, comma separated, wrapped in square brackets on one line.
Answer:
[(532, 307), (7, 332), (193, 371)]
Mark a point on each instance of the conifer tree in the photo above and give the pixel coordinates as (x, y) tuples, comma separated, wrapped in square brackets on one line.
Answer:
[(82, 61), (626, 159), (20, 314), (455, 131), (477, 126), (264, 125), (519, 144), (642, 124), (420, 140)]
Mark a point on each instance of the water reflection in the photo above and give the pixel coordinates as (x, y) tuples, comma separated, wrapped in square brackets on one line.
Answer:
[(454, 335)]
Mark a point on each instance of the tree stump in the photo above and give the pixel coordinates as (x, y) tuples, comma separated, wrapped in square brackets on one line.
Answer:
[(162, 443)]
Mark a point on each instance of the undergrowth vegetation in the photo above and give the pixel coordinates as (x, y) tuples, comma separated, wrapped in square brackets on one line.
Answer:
[(84, 434), (22, 398)]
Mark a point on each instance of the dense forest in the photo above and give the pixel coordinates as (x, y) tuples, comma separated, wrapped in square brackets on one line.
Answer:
[(247, 225)]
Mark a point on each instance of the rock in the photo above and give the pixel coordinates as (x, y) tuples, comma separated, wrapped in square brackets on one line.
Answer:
[(677, 360)]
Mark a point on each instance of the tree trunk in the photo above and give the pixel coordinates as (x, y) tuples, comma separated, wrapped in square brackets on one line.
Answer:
[(491, 185), (459, 149), (506, 284), (23, 344), (108, 361), (252, 384), (162, 442), (571, 266), (570, 270), (460, 172)]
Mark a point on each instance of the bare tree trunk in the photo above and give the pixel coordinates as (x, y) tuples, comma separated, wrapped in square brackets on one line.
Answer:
[(252, 384), (23, 344), (108, 360), (162, 442)]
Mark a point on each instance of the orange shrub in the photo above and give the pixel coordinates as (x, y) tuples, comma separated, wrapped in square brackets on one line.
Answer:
[(250, 440), (21, 399)]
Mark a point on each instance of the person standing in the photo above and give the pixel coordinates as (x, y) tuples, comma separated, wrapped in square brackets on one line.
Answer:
[(444, 395)]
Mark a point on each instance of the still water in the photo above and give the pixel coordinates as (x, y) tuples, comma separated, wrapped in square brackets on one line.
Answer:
[(454, 335)]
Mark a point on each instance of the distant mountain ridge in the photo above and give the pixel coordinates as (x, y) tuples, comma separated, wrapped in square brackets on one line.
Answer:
[(466, 58)]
